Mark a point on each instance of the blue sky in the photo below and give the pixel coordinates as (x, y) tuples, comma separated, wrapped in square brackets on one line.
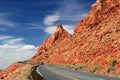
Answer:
[(24, 24)]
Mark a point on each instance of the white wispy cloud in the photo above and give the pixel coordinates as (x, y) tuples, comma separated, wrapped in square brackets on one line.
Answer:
[(6, 46), (4, 37), (13, 41), (68, 14), (51, 29), (5, 22), (36, 25), (50, 19), (28, 47), (14, 49), (73, 11)]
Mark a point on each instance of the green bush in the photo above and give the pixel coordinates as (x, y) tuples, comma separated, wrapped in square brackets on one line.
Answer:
[(79, 66), (76, 66), (113, 63), (29, 77), (110, 69), (95, 68), (69, 66)]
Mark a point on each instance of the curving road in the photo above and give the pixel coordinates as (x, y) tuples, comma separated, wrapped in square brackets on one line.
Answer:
[(51, 72)]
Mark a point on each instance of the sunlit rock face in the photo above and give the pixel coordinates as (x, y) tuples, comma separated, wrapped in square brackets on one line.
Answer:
[(99, 13), (59, 36)]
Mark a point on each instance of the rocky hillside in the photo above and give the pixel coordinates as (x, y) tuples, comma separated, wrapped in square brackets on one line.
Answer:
[(101, 13), (94, 45)]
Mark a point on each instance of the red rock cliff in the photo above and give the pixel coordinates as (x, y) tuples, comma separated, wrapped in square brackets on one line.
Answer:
[(100, 11)]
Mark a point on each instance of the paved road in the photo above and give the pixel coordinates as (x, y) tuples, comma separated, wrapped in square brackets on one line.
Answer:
[(51, 72)]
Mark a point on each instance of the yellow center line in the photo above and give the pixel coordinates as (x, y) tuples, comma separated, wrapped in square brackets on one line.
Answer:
[(61, 74)]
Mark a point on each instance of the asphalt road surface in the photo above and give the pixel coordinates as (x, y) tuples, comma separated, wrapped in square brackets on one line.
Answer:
[(51, 72)]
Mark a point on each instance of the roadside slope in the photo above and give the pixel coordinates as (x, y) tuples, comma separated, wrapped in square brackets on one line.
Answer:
[(17, 71)]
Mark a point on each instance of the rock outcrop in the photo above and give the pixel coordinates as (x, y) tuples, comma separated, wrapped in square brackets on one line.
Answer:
[(101, 12), (59, 36)]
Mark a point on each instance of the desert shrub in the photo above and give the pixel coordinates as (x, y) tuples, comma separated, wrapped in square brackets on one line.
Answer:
[(81, 52), (29, 77), (81, 66), (110, 69), (91, 47), (113, 63), (95, 68), (78, 66), (69, 66)]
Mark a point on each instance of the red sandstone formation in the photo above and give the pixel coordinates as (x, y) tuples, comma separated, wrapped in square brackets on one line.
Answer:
[(101, 12), (59, 36)]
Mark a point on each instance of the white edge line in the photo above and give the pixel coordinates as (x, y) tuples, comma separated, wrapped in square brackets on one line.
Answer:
[(39, 72)]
